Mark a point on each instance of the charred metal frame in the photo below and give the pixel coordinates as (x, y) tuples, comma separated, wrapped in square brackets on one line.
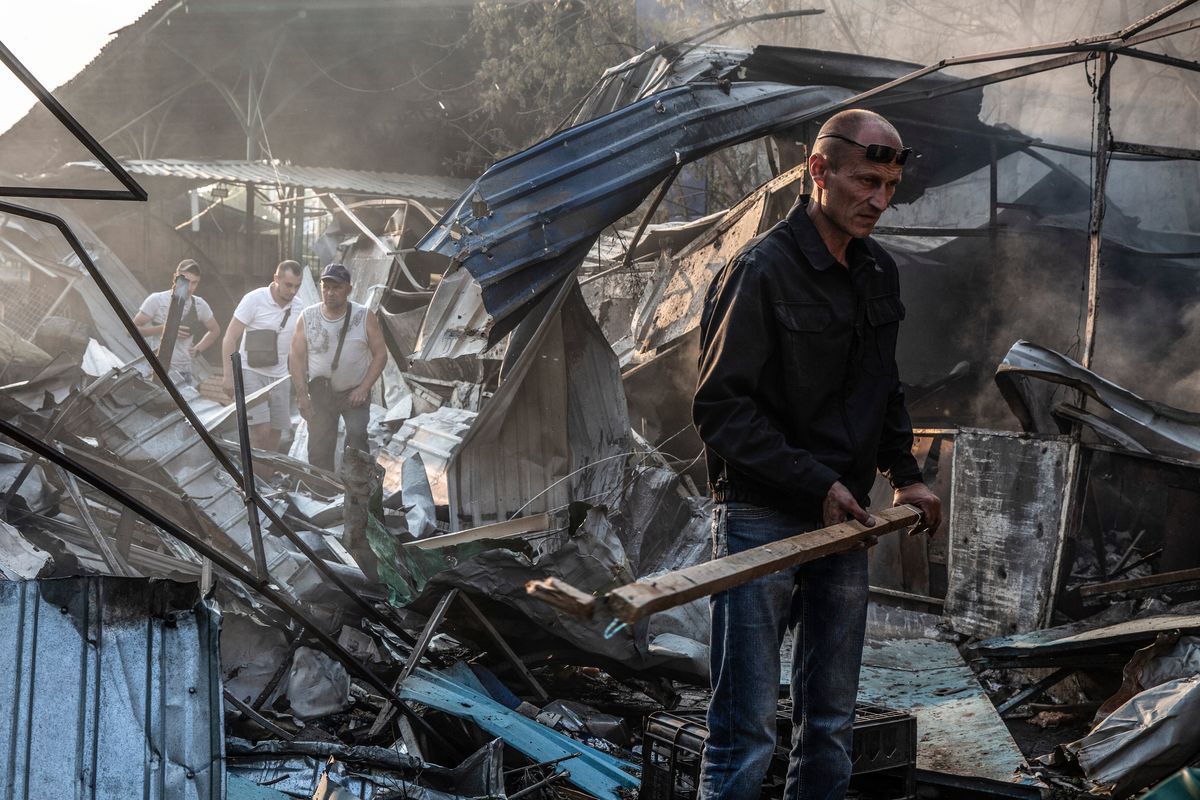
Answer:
[(132, 191), (249, 487)]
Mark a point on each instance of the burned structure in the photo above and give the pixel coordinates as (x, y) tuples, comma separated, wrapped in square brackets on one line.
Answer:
[(368, 632)]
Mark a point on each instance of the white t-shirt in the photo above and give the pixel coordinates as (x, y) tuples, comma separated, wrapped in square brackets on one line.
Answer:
[(156, 306), (321, 335), (258, 312)]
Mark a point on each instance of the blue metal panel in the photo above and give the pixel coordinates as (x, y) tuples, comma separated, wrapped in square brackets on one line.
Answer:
[(526, 223), (963, 742), (112, 689), (597, 773)]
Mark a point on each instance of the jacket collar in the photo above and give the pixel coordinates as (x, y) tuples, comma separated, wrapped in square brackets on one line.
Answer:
[(812, 246)]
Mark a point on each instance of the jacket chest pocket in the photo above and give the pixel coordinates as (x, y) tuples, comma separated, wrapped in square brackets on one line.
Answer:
[(805, 330), (884, 313)]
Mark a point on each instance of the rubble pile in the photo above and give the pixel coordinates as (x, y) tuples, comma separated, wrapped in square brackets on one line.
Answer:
[(230, 622)]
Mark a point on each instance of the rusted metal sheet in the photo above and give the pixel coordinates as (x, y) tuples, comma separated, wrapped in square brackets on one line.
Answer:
[(962, 740), (1008, 514), (113, 689)]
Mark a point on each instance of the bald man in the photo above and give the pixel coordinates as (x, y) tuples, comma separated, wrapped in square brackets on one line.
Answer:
[(799, 404)]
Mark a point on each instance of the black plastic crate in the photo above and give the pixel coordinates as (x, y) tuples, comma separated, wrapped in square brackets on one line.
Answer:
[(884, 755)]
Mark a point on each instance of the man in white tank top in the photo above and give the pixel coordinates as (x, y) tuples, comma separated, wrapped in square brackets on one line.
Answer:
[(337, 355)]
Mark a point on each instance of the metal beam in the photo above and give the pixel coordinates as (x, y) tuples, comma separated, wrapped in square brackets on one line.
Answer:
[(133, 190), (1033, 690), (249, 488), (1157, 151), (1159, 58), (166, 343), (641, 228), (1102, 144), (989, 79), (1153, 19), (1162, 33), (1089, 47)]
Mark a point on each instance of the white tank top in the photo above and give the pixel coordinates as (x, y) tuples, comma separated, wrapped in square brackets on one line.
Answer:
[(321, 336)]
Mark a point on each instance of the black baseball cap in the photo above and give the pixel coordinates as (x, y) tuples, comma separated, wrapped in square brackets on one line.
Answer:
[(336, 272)]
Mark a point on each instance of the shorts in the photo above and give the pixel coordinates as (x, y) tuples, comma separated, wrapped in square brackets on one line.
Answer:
[(275, 408)]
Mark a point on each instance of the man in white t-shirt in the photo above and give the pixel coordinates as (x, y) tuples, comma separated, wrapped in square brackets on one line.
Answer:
[(337, 355), (151, 321), (261, 330)]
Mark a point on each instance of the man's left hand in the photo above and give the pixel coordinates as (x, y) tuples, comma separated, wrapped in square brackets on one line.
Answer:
[(359, 395), (919, 495)]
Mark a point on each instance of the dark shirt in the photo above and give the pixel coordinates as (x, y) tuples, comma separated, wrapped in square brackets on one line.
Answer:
[(798, 384)]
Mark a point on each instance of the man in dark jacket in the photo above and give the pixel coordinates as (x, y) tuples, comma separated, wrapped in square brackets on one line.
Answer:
[(799, 403)]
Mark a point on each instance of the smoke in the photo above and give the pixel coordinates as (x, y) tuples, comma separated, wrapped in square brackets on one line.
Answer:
[(972, 298)]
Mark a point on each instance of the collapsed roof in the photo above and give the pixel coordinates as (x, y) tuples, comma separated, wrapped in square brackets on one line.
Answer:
[(526, 223)]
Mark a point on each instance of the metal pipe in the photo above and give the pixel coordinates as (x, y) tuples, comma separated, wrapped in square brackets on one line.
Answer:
[(256, 717), (544, 782), (1159, 58), (249, 489), (641, 228)]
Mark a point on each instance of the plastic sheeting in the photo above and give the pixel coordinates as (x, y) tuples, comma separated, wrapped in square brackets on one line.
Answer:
[(1143, 741)]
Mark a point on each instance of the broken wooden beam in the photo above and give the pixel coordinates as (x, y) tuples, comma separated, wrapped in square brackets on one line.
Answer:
[(563, 596), (1182, 580), (636, 600)]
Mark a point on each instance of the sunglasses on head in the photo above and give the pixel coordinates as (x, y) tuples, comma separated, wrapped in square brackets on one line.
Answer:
[(879, 153)]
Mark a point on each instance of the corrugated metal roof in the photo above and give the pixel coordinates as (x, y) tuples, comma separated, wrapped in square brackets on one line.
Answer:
[(112, 689), (529, 221), (434, 188)]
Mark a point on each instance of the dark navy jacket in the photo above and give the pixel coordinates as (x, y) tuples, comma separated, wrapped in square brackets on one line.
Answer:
[(798, 384)]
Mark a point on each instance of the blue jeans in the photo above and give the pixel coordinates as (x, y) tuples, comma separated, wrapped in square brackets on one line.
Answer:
[(824, 603)]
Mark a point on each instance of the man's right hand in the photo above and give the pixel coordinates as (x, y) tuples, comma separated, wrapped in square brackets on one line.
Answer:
[(304, 405), (227, 385), (840, 505)]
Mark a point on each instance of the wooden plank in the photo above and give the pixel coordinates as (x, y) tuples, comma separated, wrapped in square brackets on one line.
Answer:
[(1185, 577), (562, 596), (636, 600)]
